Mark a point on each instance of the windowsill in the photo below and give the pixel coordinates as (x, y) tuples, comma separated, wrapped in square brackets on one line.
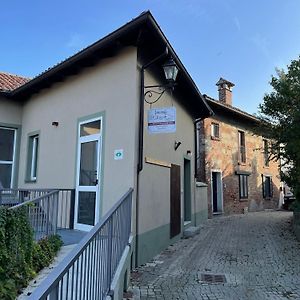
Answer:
[(243, 199), (266, 167), (268, 198), (242, 163), (215, 138)]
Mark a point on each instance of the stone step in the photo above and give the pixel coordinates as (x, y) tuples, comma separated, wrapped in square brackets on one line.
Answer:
[(191, 231)]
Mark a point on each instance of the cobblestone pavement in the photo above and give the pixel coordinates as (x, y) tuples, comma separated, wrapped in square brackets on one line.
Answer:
[(256, 252)]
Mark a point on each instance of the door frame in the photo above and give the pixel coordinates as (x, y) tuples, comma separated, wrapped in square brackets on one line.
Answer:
[(187, 160), (220, 194), (98, 187)]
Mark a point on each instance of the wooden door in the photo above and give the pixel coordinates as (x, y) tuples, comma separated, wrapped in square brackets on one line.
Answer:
[(175, 211)]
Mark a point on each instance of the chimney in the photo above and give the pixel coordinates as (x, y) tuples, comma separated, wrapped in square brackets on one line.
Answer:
[(225, 92)]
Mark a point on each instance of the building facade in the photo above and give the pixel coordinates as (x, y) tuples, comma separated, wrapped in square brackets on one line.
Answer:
[(85, 125), (234, 159)]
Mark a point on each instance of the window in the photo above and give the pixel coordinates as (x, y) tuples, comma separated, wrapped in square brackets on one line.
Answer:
[(33, 149), (267, 186), (266, 153), (7, 154), (243, 186), (215, 130), (242, 148)]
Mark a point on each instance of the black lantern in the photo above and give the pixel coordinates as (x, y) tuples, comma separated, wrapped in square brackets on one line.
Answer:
[(171, 70)]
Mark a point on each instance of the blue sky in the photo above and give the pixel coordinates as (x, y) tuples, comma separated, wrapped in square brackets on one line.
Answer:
[(242, 41)]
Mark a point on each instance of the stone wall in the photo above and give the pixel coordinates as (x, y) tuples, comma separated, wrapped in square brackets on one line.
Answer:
[(222, 155)]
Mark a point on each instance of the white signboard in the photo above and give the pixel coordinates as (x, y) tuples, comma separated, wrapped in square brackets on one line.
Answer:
[(118, 154), (162, 120)]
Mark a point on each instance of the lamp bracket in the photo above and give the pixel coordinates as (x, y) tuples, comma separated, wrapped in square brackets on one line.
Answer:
[(161, 89)]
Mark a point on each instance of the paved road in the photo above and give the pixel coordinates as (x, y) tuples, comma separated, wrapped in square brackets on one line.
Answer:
[(257, 253)]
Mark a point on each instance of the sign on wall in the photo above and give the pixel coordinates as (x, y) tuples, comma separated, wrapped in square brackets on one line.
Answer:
[(118, 154), (162, 120)]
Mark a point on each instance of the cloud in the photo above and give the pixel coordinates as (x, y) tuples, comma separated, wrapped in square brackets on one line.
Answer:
[(76, 41)]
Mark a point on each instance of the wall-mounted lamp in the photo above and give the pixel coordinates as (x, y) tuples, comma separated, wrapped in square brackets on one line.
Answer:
[(189, 152), (170, 70), (55, 123), (176, 145)]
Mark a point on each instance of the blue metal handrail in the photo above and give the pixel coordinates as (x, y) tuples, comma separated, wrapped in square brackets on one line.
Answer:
[(87, 272)]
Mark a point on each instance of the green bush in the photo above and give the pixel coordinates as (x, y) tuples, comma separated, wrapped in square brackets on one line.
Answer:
[(20, 256), (295, 206)]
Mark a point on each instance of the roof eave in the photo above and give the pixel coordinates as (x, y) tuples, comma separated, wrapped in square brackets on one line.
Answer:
[(208, 111), (37, 82), (233, 110)]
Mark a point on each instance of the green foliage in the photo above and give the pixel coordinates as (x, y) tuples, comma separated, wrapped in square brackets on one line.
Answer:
[(295, 206), (280, 115), (20, 256), (45, 250)]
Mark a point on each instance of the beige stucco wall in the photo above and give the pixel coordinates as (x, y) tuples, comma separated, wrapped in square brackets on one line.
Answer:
[(10, 112), (154, 194), (109, 87)]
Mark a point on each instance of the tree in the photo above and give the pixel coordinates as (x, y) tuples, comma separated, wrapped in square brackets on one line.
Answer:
[(280, 116)]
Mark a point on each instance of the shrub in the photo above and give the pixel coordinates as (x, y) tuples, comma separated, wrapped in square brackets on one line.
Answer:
[(20, 256), (295, 206)]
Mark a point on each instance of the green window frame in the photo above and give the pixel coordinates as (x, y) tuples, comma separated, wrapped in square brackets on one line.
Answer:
[(32, 157), (267, 186), (243, 186)]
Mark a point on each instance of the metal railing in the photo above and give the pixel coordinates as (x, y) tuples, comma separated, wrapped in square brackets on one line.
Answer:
[(87, 272), (52, 210), (12, 197)]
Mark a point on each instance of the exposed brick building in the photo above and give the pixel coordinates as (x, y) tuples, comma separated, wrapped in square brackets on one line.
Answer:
[(234, 161)]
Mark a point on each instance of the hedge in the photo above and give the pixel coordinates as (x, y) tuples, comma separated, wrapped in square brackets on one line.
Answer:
[(20, 256)]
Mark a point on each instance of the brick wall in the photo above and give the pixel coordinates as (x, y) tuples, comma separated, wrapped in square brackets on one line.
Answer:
[(223, 155)]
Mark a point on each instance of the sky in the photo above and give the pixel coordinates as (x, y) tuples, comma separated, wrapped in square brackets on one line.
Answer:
[(241, 41)]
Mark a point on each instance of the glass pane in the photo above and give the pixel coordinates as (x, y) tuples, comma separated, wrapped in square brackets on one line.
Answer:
[(35, 146), (86, 208), (88, 164), (5, 175), (6, 144), (90, 128)]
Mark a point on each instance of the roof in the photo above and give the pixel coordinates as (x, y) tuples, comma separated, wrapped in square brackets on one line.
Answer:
[(216, 104), (9, 82), (142, 32)]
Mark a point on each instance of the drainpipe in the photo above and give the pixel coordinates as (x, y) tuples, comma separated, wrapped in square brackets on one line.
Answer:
[(141, 140), (197, 156), (197, 144)]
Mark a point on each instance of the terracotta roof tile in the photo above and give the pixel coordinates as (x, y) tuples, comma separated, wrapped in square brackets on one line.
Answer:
[(9, 82)]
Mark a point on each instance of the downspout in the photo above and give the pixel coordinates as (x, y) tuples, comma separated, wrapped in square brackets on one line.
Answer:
[(197, 144), (141, 142)]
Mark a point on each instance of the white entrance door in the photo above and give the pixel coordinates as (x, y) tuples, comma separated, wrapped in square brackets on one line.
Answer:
[(87, 202)]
